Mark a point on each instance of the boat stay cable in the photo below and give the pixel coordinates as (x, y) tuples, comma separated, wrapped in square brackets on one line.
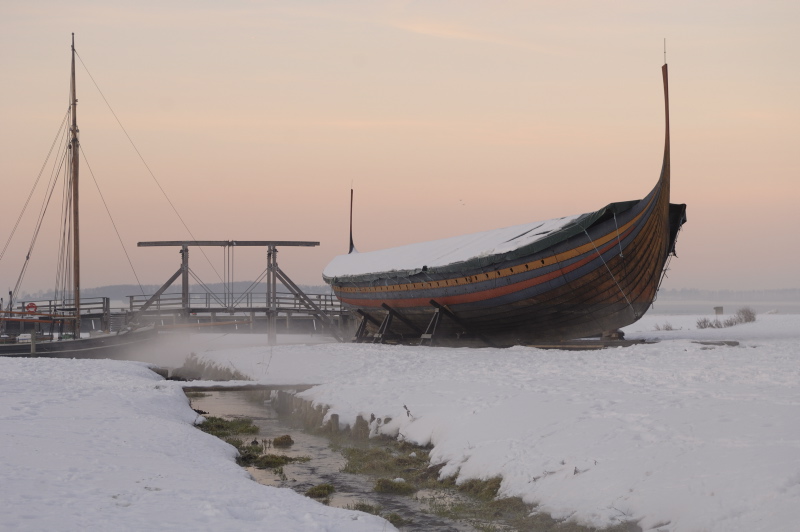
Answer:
[(50, 188), (59, 133), (621, 254), (206, 288), (612, 274), (64, 262), (158, 184), (251, 287), (111, 218), (619, 241)]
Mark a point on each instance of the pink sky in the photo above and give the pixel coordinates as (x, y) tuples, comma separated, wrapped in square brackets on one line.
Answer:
[(448, 117)]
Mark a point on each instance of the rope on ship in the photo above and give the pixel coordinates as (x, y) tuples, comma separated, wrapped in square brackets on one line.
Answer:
[(636, 314)]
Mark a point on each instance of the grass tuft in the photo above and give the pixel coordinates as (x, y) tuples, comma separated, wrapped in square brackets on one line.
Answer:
[(224, 428), (481, 489), (364, 506), (743, 315), (195, 369), (396, 519), (271, 461), (398, 487), (283, 441), (320, 491)]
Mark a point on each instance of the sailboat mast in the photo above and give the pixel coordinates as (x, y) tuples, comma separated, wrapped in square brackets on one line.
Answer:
[(75, 146)]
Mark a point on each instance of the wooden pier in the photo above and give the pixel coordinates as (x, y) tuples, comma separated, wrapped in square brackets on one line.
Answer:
[(267, 310), (328, 313)]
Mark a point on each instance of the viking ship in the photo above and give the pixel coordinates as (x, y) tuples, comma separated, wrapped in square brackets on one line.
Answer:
[(568, 278), (69, 343)]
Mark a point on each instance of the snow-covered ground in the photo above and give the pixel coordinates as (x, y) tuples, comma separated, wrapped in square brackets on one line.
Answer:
[(676, 435), (104, 445)]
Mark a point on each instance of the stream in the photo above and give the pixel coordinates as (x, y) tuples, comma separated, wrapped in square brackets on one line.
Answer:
[(326, 464)]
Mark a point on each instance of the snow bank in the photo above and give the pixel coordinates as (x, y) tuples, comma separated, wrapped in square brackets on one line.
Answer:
[(678, 436), (103, 445)]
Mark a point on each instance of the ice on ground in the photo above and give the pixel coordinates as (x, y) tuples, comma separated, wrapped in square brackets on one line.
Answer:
[(104, 445), (677, 435)]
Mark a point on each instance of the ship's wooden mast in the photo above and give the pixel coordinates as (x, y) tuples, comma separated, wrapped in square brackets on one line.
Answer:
[(75, 146)]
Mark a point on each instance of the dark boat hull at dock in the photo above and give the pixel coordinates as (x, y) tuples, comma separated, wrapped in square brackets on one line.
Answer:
[(591, 275), (115, 346)]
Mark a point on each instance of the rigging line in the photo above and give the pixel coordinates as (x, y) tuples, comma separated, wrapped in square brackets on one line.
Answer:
[(30, 194), (66, 235), (667, 263), (252, 286), (621, 254), (63, 243), (205, 287), (611, 273), (51, 186), (174, 209), (225, 274), (228, 275), (229, 279), (618, 237), (227, 285), (663, 276), (45, 203), (108, 211)]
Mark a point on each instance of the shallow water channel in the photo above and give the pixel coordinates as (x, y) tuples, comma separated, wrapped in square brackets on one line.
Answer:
[(325, 465)]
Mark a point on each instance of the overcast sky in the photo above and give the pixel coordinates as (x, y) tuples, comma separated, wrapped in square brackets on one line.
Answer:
[(448, 117)]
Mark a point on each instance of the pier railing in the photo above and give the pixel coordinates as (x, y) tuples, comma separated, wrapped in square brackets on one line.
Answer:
[(247, 302)]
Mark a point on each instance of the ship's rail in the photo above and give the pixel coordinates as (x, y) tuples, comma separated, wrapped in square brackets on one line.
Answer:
[(60, 307)]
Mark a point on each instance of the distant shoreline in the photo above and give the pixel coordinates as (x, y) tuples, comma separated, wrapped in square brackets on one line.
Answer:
[(668, 306), (669, 301)]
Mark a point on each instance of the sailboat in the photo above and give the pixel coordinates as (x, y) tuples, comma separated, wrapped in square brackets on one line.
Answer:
[(568, 278), (71, 344)]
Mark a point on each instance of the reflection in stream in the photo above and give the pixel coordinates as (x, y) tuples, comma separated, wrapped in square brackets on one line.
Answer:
[(325, 465)]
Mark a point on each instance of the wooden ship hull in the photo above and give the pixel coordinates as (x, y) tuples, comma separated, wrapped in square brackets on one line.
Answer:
[(588, 276)]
